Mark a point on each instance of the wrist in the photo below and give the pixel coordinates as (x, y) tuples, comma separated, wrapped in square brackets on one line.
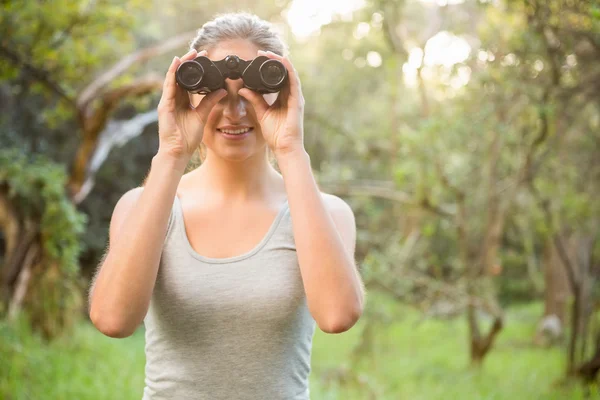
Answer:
[(170, 161), (292, 157), (290, 153)]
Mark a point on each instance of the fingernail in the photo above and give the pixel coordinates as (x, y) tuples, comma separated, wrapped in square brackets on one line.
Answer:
[(174, 59)]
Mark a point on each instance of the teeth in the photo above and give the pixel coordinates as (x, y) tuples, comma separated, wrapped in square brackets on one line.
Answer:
[(235, 132)]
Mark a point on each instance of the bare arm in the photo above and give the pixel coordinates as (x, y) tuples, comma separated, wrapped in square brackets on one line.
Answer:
[(121, 291), (325, 236), (324, 228), (122, 288)]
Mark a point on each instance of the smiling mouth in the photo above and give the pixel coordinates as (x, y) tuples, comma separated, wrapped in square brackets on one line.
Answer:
[(240, 131)]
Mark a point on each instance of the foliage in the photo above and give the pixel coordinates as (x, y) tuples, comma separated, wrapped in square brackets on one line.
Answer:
[(63, 46), (36, 186)]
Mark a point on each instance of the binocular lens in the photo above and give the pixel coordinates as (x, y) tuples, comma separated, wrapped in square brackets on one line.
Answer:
[(272, 73), (190, 73)]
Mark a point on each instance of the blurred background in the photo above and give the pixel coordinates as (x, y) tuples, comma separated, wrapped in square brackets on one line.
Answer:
[(463, 133)]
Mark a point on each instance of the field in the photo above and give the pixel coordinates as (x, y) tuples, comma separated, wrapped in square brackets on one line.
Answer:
[(410, 358)]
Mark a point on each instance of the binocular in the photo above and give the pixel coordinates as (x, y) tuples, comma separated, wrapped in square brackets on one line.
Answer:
[(202, 75)]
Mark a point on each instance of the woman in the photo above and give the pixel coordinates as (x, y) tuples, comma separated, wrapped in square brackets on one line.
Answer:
[(230, 265)]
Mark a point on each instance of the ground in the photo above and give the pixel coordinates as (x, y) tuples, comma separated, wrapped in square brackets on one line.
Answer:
[(411, 359)]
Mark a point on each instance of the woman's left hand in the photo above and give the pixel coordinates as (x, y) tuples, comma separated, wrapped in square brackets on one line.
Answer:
[(282, 122)]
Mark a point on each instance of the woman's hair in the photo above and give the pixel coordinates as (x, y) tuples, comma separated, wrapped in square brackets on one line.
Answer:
[(239, 25)]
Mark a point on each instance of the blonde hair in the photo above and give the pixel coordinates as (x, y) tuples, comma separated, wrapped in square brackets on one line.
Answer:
[(240, 25)]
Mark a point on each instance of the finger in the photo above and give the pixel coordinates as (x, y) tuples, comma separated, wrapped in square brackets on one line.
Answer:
[(295, 91), (182, 98), (190, 55), (257, 101), (177, 94), (208, 102), (169, 85), (294, 78)]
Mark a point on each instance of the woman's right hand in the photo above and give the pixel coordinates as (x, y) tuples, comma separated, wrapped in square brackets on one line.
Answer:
[(180, 125)]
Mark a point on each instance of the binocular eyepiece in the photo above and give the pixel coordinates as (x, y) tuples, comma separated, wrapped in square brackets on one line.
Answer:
[(202, 75)]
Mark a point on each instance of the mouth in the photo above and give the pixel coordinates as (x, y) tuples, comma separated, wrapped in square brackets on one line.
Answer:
[(235, 132)]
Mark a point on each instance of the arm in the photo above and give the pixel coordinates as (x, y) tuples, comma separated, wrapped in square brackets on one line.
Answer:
[(325, 236), (121, 290)]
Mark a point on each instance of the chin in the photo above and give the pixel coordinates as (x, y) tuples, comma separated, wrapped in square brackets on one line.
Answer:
[(236, 151), (239, 154), (235, 155)]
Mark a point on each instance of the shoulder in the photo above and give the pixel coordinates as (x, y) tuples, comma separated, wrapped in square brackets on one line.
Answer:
[(340, 210), (122, 208), (343, 217), (336, 205), (128, 199)]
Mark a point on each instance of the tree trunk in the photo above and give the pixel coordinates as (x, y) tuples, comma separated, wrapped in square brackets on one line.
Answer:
[(20, 237), (588, 371), (480, 346), (22, 285), (557, 291), (551, 327)]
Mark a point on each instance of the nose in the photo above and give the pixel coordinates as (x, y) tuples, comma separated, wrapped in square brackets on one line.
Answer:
[(235, 107)]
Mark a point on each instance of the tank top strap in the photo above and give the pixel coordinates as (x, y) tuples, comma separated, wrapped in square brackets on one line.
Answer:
[(176, 221), (283, 236)]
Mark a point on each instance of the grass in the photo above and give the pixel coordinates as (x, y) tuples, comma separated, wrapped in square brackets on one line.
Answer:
[(410, 358)]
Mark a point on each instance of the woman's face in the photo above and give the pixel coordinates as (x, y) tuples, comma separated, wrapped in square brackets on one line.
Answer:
[(233, 113)]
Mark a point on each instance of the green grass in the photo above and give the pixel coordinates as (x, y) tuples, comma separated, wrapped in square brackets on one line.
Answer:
[(410, 359)]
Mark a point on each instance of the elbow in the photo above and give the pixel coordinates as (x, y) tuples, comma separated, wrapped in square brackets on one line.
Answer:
[(340, 322), (110, 326)]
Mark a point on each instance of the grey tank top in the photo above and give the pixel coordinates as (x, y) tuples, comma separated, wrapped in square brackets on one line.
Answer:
[(228, 328)]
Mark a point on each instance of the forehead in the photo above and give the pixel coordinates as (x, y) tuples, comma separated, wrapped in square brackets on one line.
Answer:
[(242, 48)]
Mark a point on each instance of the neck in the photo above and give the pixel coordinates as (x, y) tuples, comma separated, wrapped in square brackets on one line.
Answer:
[(230, 181)]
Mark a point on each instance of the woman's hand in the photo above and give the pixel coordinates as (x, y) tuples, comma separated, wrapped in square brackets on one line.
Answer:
[(180, 125), (282, 123)]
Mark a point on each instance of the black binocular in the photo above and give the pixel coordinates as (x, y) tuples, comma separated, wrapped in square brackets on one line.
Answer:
[(202, 75)]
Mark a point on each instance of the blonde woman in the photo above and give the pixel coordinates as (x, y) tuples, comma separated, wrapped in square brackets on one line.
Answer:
[(229, 266)]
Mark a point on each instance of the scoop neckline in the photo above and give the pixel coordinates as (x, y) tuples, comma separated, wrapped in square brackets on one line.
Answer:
[(226, 260)]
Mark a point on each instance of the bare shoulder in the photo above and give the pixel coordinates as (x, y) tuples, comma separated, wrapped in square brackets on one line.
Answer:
[(128, 199), (337, 205), (122, 208), (343, 217)]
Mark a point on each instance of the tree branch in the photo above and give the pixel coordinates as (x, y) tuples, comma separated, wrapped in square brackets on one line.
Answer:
[(94, 123), (90, 91), (383, 190), (37, 73), (389, 28), (115, 133)]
